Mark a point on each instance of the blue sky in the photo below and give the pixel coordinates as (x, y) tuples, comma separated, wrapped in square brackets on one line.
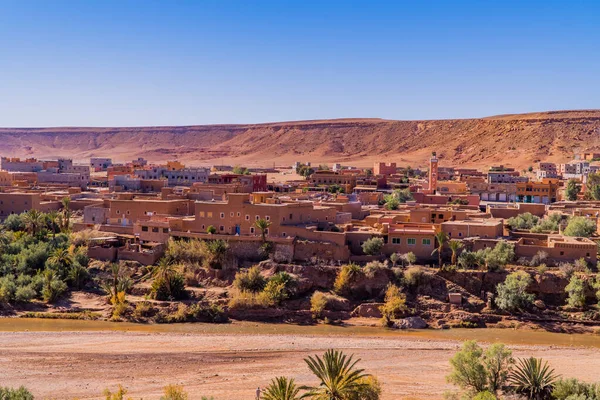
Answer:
[(137, 63)]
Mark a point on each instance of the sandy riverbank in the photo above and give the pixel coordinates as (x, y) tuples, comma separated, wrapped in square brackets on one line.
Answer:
[(70, 365)]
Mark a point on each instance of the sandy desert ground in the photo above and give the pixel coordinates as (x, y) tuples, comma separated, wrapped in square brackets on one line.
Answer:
[(67, 365)]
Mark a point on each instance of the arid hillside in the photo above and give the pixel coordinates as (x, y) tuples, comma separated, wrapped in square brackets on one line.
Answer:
[(515, 140)]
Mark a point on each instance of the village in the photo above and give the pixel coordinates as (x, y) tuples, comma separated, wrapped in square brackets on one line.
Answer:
[(325, 213)]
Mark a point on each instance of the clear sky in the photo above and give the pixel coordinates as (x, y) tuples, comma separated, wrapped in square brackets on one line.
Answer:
[(135, 63)]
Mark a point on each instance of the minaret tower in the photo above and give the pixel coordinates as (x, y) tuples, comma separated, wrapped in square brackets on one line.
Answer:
[(433, 173)]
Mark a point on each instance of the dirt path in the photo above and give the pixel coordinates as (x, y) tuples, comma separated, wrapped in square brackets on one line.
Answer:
[(67, 365)]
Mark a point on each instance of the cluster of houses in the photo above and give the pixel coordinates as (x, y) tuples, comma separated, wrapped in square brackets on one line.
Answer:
[(328, 215)]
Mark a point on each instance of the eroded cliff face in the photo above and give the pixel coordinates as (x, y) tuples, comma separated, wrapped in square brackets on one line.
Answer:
[(516, 140)]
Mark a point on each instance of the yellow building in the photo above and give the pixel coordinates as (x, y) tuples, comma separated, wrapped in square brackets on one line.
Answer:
[(544, 192)]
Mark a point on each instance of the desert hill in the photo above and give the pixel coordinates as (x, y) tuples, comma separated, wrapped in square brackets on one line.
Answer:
[(517, 140)]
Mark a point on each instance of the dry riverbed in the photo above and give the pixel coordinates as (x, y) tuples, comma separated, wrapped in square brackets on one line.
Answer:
[(230, 361)]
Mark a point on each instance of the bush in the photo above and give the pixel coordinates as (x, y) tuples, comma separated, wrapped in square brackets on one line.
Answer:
[(274, 292), (185, 251), (567, 269), (24, 294), (576, 292), (287, 280), (580, 226), (367, 388), (21, 393), (485, 395), (250, 280), (523, 221), (14, 222), (498, 257), (318, 304), (469, 260), (415, 276), (8, 288), (174, 392), (78, 276), (143, 309), (539, 258), (409, 258), (477, 371), (512, 293), (573, 389), (211, 230), (244, 300), (118, 395), (395, 304), (373, 246), (170, 288), (372, 267), (345, 277)]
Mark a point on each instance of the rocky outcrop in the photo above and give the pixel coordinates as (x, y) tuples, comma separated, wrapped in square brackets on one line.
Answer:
[(410, 323)]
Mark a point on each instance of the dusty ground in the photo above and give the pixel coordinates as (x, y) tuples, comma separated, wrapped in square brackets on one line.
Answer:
[(67, 365)]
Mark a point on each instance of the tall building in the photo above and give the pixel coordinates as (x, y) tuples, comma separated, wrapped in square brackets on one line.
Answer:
[(433, 173)]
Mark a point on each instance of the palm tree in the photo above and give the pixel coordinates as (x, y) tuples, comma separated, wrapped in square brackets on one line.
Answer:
[(441, 239), (455, 245), (165, 270), (52, 219), (338, 375), (215, 252), (33, 221), (533, 378), (262, 225), (281, 388), (62, 258), (66, 203)]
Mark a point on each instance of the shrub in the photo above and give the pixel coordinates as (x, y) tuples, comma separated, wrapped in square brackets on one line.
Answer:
[(118, 395), (7, 289), (409, 258), (53, 287), (468, 260), (185, 251), (174, 392), (367, 388), (573, 389), (512, 293), (169, 288), (395, 304), (24, 294), (250, 280), (211, 230), (576, 292), (580, 226), (477, 371), (373, 246), (539, 258), (523, 221), (214, 253), (318, 304), (485, 395), (415, 276), (395, 258), (21, 393), (581, 265), (345, 277), (274, 293), (244, 300), (143, 309), (80, 256), (14, 222), (288, 281), (372, 267), (567, 269)]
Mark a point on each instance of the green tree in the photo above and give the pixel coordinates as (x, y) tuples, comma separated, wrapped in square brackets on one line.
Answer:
[(281, 388), (580, 226), (62, 259), (66, 213), (215, 253), (576, 292), (572, 190), (339, 378), (211, 230), (373, 246), (512, 293), (165, 270), (475, 370), (533, 378)]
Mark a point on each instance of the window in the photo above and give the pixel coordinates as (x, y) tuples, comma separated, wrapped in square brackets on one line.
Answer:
[(155, 229), (396, 241), (267, 231), (291, 216), (118, 212), (441, 216), (411, 241), (221, 228), (165, 230), (231, 214), (257, 217), (201, 214), (209, 214), (222, 215), (251, 229), (283, 234), (268, 217), (426, 242), (144, 229), (127, 212), (239, 214), (247, 217)]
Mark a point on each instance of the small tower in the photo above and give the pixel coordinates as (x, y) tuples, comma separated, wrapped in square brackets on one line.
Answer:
[(433, 173)]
